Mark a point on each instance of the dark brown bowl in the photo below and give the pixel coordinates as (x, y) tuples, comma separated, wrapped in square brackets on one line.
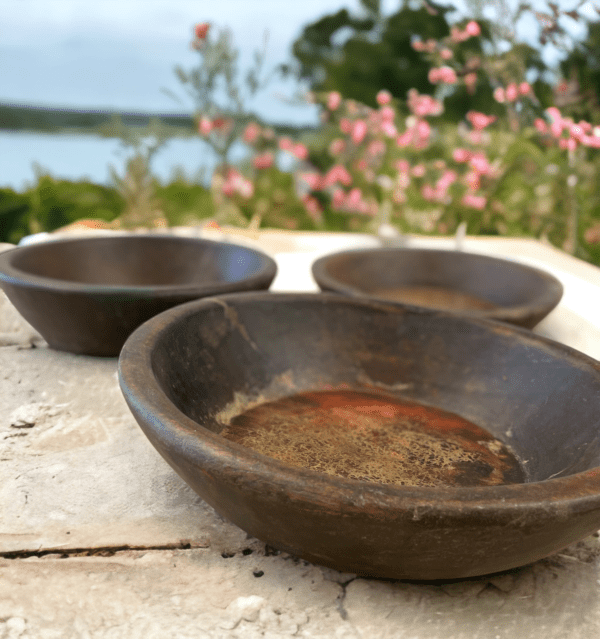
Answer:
[(478, 285), (87, 295), (190, 372)]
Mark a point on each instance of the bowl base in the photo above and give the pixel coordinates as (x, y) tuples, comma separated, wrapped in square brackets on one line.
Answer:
[(372, 436)]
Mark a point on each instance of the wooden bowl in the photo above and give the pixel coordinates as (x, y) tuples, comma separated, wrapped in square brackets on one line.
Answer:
[(87, 295), (478, 285), (374, 439)]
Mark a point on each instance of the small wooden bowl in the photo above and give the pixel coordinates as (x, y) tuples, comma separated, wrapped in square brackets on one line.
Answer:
[(478, 285), (87, 295)]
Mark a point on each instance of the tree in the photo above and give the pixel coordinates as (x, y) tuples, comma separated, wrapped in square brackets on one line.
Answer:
[(360, 55), (579, 94)]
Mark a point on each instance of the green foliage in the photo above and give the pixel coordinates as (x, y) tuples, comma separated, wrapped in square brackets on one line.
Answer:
[(376, 54), (14, 208), (580, 93), (184, 203), (54, 203)]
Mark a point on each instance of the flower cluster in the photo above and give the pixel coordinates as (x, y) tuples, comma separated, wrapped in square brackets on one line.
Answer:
[(383, 159), (568, 134)]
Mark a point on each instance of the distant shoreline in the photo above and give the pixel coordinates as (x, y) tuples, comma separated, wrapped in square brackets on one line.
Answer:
[(106, 123), (103, 122)]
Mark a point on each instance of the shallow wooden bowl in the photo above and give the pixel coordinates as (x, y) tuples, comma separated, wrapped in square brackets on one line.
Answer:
[(478, 285), (87, 295), (381, 440)]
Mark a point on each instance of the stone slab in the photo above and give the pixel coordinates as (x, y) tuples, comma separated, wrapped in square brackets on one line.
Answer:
[(199, 594), (100, 539)]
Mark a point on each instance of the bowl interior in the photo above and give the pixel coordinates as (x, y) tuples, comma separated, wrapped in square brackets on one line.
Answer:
[(139, 261), (217, 360)]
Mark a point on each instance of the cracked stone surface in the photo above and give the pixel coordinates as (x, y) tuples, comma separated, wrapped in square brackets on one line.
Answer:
[(100, 539)]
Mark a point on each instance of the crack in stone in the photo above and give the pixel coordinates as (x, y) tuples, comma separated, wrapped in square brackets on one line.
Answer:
[(342, 597), (104, 551)]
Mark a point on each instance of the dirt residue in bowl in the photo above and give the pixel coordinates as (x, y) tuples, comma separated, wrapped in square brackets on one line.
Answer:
[(377, 438), (436, 297)]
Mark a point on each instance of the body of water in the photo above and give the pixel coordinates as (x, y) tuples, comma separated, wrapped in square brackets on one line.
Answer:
[(76, 157)]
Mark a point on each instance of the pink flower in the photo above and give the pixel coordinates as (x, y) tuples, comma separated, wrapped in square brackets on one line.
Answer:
[(473, 29), (201, 30), (567, 143), (263, 161), (313, 180), (423, 105), (418, 45), (470, 80), (383, 97), (556, 128), (345, 125), (418, 170), (387, 114), (389, 129), (475, 137), (359, 130), (434, 75), (338, 198), (540, 125), (428, 192), (235, 182), (430, 45), (524, 88), (312, 207), (286, 144), (554, 114), (423, 130), (251, 133), (337, 146), (456, 35), (204, 126), (474, 201), (227, 189), (461, 155), (512, 92), (338, 173), (402, 166), (473, 180), (405, 139), (447, 75), (499, 95), (354, 198), (446, 54), (334, 99), (576, 131), (592, 141), (479, 120), (448, 178), (377, 147), (300, 151), (480, 163)]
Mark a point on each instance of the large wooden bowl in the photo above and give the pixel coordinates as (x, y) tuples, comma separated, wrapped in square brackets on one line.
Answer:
[(190, 373)]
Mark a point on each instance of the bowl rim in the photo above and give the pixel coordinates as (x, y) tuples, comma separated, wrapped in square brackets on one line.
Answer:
[(172, 431), (546, 300), (12, 275)]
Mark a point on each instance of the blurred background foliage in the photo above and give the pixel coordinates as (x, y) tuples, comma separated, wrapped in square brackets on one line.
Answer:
[(357, 54)]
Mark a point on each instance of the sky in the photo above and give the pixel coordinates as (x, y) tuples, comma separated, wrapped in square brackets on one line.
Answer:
[(121, 53)]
